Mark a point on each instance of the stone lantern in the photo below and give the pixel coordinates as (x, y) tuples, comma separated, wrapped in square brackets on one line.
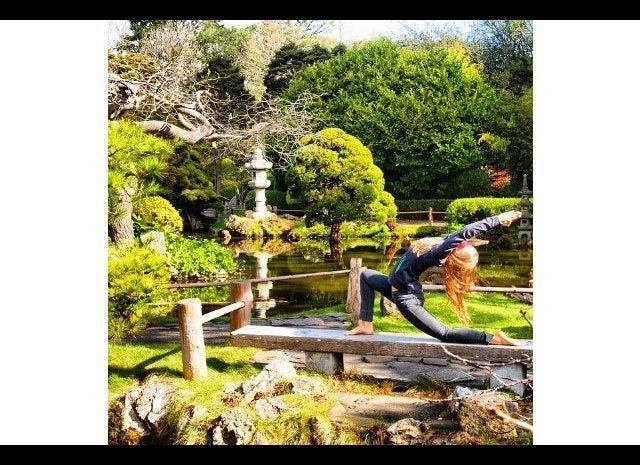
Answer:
[(526, 222), (258, 166)]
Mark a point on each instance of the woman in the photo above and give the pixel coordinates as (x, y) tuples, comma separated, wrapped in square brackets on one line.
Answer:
[(403, 287)]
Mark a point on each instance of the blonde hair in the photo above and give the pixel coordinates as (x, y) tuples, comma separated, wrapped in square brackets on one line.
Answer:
[(459, 275)]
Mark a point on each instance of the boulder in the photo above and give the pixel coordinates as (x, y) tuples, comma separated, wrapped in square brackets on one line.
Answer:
[(408, 431), (231, 428), (145, 406)]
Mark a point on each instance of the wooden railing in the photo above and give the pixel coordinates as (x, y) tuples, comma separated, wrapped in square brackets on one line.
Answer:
[(190, 317), (429, 214)]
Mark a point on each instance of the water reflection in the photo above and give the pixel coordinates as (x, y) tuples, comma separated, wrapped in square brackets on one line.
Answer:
[(262, 302)]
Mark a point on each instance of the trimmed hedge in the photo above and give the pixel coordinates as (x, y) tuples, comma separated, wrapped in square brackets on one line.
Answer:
[(465, 211)]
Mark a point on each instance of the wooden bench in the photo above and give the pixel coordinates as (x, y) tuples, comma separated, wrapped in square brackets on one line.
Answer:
[(324, 348)]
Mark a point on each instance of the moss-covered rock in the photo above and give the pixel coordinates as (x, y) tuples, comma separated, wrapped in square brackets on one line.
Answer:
[(272, 226)]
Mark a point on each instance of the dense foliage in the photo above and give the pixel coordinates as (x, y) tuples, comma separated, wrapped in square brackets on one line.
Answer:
[(421, 112), (157, 213), (198, 259), (137, 277), (335, 179), (438, 205), (465, 211)]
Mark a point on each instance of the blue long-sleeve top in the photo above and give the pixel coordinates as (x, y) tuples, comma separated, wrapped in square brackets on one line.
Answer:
[(406, 273)]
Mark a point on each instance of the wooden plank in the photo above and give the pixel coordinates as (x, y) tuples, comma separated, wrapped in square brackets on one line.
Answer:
[(396, 344), (221, 311)]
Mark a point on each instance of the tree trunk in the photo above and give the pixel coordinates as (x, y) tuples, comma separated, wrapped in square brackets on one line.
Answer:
[(334, 243), (335, 234), (217, 176), (121, 228)]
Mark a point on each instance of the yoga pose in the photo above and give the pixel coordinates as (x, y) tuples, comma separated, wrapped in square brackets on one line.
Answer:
[(459, 259)]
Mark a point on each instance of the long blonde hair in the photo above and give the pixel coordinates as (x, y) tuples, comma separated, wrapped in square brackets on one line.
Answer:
[(459, 274)]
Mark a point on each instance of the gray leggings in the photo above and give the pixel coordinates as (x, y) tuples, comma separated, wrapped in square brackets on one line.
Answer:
[(411, 307)]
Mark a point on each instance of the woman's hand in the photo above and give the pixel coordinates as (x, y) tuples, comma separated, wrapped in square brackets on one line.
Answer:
[(509, 217)]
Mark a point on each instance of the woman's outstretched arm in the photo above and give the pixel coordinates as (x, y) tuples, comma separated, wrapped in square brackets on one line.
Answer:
[(471, 230)]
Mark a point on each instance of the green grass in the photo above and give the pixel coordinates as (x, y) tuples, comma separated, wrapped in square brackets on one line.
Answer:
[(129, 363), (489, 311)]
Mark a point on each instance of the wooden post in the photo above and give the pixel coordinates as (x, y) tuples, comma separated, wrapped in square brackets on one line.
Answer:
[(194, 363), (353, 292), (241, 292), (430, 215)]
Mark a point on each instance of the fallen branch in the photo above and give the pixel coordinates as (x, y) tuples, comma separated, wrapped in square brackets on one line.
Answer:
[(492, 409)]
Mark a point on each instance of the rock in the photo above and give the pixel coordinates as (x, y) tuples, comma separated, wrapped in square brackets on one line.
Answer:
[(154, 240), (444, 374), (231, 387), (388, 308), (287, 216), (267, 356), (443, 362), (305, 385), (145, 406), (474, 417), (307, 321), (320, 431), (410, 359), (359, 408), (521, 296), (378, 358), (264, 382), (233, 428), (270, 407), (225, 236), (408, 431)]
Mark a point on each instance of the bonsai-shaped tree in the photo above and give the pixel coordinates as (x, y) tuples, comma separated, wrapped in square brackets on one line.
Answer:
[(335, 180)]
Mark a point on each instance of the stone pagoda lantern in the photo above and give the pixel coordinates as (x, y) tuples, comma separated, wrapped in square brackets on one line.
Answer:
[(258, 166), (526, 222)]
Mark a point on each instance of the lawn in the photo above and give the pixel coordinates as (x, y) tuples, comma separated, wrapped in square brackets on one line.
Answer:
[(489, 311)]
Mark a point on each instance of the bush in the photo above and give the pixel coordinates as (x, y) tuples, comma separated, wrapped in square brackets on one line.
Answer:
[(198, 259), (157, 213), (470, 183), (465, 211), (137, 277)]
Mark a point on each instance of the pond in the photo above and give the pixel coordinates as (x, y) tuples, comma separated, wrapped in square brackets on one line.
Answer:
[(280, 258)]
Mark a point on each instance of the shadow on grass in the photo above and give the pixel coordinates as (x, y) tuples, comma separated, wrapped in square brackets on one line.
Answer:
[(140, 371), (220, 365)]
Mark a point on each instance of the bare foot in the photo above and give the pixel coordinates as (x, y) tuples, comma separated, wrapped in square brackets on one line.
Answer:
[(363, 327), (501, 339)]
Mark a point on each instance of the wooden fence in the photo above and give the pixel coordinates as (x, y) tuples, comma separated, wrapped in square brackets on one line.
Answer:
[(429, 214), (190, 317)]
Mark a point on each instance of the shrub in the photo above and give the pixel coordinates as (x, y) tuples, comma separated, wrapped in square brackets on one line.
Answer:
[(438, 205), (465, 211), (157, 213), (470, 183), (137, 277), (198, 259)]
